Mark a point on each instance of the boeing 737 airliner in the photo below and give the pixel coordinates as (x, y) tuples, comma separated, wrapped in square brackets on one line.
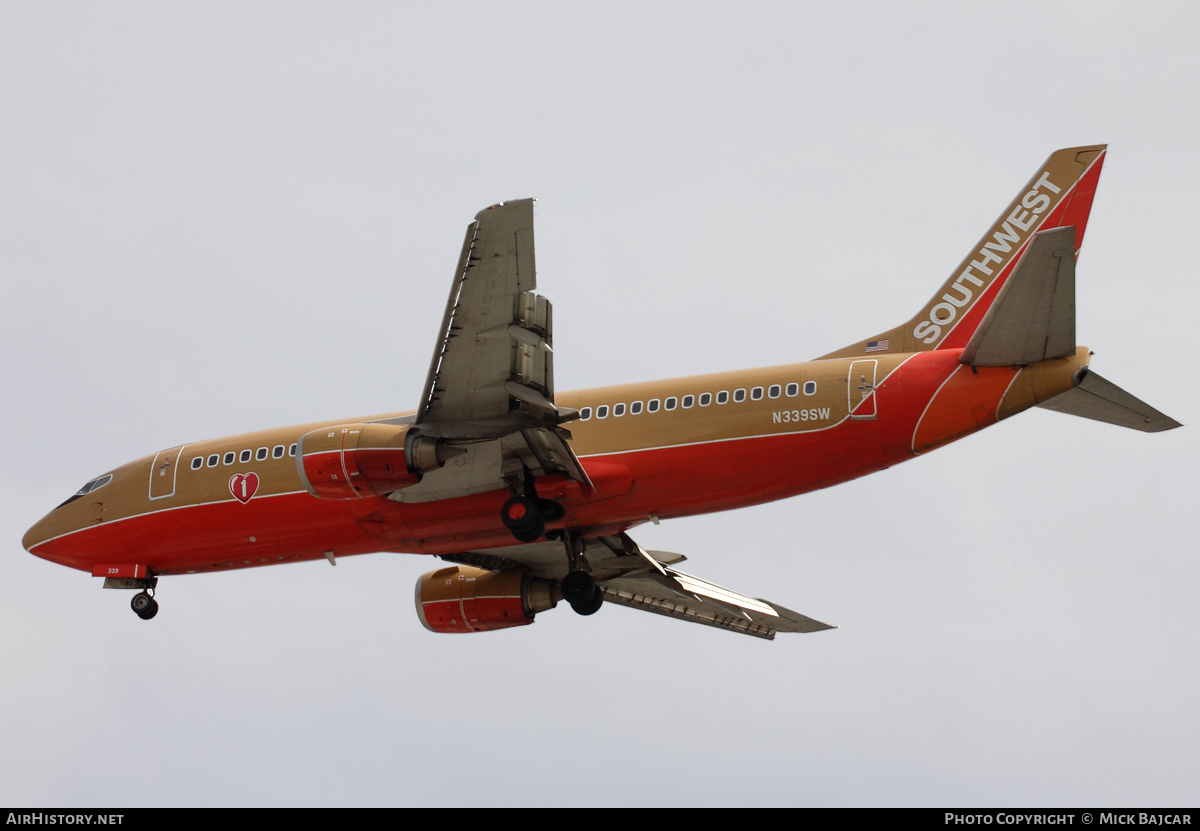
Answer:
[(529, 494)]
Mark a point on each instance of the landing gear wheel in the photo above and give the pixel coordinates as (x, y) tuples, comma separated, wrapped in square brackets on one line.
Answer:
[(144, 606), (578, 588), (531, 534), (518, 512), (523, 516), (590, 607)]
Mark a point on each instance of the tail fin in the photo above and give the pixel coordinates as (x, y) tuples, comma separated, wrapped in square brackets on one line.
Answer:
[(1033, 316), (1059, 195)]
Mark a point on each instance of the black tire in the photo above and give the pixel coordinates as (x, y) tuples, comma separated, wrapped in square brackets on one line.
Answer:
[(590, 607), (578, 587), (520, 514), (531, 534), (144, 606)]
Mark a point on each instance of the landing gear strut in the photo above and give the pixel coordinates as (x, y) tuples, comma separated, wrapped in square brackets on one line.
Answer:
[(144, 605)]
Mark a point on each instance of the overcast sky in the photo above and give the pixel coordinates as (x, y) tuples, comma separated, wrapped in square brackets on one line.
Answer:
[(217, 217)]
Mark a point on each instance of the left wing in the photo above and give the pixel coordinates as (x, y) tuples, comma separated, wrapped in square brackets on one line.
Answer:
[(495, 345), (490, 388), (630, 576)]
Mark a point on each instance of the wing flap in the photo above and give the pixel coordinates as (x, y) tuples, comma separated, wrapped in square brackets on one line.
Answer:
[(554, 455), (620, 568), (683, 596)]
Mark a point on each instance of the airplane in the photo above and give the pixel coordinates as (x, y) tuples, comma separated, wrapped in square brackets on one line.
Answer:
[(529, 494)]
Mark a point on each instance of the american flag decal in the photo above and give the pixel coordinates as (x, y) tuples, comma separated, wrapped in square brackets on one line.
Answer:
[(878, 345)]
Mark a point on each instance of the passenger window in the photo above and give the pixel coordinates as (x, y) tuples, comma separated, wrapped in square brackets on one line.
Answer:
[(618, 410), (245, 456), (292, 450), (585, 413), (688, 401), (277, 453), (213, 459), (229, 457), (723, 397), (197, 463), (774, 391), (756, 393), (792, 390), (739, 396), (705, 399), (261, 454), (810, 387), (635, 408), (671, 402), (652, 405), (602, 411)]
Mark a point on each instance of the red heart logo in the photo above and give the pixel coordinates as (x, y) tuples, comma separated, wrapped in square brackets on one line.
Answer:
[(243, 486)]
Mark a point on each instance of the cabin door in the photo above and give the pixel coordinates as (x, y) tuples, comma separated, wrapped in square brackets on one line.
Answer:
[(860, 389), (163, 472)]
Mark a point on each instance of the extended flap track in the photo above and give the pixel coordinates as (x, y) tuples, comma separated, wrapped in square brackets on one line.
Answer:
[(533, 343)]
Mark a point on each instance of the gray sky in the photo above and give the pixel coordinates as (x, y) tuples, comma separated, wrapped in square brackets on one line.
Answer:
[(222, 217)]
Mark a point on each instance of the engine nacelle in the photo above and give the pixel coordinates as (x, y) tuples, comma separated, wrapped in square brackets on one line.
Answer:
[(354, 461), (466, 599)]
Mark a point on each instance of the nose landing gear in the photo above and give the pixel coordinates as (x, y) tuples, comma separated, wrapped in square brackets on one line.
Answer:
[(144, 605)]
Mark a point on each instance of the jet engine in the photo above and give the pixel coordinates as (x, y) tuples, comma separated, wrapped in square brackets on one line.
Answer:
[(354, 461), (466, 599)]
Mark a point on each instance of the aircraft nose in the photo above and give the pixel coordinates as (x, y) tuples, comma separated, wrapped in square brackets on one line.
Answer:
[(38, 534)]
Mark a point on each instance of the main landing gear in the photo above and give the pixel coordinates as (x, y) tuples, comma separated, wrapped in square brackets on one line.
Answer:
[(578, 588), (526, 515), (144, 605), (581, 591)]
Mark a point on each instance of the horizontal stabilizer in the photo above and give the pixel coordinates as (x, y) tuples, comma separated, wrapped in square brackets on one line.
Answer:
[(1100, 400), (1033, 318)]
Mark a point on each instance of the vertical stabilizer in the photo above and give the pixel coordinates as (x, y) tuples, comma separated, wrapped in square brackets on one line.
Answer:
[(1059, 195)]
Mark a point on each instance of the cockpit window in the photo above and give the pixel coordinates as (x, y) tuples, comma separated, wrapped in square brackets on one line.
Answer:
[(93, 485)]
